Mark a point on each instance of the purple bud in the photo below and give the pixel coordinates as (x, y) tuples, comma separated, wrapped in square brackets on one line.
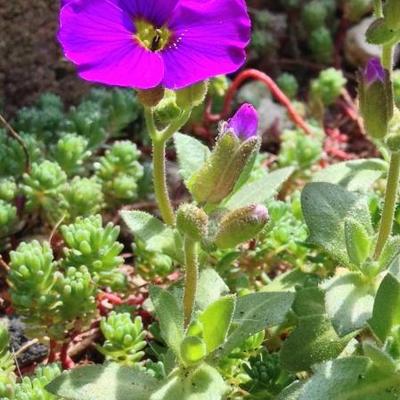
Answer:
[(244, 123), (374, 71), (260, 212)]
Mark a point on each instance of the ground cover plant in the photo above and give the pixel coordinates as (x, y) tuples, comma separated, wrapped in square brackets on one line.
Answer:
[(158, 241)]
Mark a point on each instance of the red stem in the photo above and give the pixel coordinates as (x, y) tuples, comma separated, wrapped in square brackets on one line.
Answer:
[(52, 351), (66, 360), (274, 89)]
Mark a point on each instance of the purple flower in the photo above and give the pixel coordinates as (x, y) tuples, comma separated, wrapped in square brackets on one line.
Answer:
[(146, 43), (374, 71), (244, 124)]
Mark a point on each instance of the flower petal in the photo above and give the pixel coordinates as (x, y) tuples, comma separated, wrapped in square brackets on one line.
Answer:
[(244, 123), (97, 35), (210, 40), (155, 11)]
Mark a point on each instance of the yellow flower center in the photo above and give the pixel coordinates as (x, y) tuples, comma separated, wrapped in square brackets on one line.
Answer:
[(151, 37)]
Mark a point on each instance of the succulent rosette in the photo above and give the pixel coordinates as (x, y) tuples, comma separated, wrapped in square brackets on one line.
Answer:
[(143, 44)]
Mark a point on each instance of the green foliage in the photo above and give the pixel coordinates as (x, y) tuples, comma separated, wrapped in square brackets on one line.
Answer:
[(7, 376), (8, 189), (8, 218), (119, 172), (288, 84), (70, 152), (12, 155), (32, 278), (124, 338), (314, 15), (34, 388), (108, 382), (299, 150), (77, 290), (321, 44), (42, 120), (83, 197), (89, 243), (327, 87), (43, 186), (267, 377)]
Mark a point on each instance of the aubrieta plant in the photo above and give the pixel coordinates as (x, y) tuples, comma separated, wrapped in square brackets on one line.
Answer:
[(309, 308)]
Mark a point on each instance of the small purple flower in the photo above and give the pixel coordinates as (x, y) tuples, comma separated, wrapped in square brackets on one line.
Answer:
[(244, 124), (146, 43), (374, 71)]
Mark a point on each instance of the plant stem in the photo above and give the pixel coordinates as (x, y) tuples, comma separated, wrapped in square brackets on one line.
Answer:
[(378, 9), (191, 277), (159, 139), (160, 181), (387, 57), (392, 187)]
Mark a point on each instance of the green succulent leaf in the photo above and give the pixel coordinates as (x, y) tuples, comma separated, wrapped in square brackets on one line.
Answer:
[(103, 382)]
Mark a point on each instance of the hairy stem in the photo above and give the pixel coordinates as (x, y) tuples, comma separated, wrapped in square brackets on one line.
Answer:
[(378, 8), (191, 277), (392, 187), (160, 182)]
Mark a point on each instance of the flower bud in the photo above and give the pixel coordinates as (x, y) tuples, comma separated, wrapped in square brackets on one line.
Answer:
[(192, 222), (235, 147), (167, 110), (393, 142), (193, 350), (391, 11), (376, 99), (240, 226), (192, 96), (151, 97), (379, 32)]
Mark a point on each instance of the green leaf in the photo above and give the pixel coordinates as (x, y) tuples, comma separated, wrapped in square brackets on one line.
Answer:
[(385, 315), (325, 207), (192, 154), (355, 175), (260, 191), (291, 392), (288, 281), (358, 242), (170, 315), (103, 382), (352, 378), (313, 341), (254, 313), (349, 301), (204, 383), (381, 359), (151, 231), (209, 288), (390, 252), (216, 320), (309, 301)]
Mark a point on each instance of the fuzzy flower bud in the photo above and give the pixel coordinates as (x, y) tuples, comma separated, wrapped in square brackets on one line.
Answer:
[(241, 225), (237, 144), (192, 222), (192, 96), (376, 99), (392, 14)]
